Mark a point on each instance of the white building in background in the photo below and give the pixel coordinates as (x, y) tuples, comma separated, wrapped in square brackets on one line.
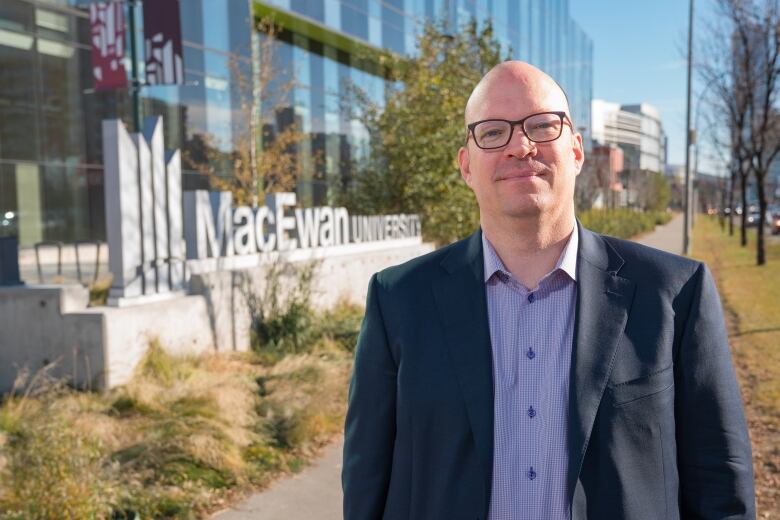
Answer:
[(636, 129), (676, 172)]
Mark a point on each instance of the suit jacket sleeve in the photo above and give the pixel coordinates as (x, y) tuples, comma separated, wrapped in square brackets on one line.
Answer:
[(370, 427), (713, 447)]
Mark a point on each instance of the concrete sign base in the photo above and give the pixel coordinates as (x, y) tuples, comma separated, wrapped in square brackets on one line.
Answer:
[(97, 348)]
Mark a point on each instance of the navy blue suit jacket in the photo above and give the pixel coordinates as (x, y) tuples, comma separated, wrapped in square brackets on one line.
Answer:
[(656, 424)]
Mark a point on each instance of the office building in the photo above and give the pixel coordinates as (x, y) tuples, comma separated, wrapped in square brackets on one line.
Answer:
[(51, 176), (636, 129)]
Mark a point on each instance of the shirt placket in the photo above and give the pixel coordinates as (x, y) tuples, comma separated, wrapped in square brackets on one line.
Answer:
[(532, 406)]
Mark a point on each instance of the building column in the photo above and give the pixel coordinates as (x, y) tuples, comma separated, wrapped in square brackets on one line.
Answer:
[(28, 202)]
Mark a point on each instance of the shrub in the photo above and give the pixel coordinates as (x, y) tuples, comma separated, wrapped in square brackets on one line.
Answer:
[(286, 427), (53, 470), (341, 324), (282, 319), (622, 222)]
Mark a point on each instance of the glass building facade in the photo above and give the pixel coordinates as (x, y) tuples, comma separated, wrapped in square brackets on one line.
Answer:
[(51, 177)]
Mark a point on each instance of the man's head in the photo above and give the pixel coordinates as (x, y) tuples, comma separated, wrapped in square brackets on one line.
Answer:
[(522, 179)]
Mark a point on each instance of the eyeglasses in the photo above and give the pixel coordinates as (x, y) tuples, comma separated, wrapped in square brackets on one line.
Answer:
[(539, 128)]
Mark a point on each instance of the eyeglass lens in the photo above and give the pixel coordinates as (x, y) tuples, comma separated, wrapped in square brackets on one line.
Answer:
[(538, 128)]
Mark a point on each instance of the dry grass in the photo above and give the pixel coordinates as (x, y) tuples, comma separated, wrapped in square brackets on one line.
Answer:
[(98, 291), (53, 470), (185, 437), (751, 298)]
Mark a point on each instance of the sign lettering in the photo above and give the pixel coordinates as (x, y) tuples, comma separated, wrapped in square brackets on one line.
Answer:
[(220, 230)]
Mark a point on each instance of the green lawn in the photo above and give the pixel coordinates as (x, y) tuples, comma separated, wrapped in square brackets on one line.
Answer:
[(751, 299)]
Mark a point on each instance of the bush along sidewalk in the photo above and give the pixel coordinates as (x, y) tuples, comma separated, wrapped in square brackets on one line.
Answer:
[(188, 435), (622, 222)]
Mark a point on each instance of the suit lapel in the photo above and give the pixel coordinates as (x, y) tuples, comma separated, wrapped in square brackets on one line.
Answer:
[(459, 292), (603, 303)]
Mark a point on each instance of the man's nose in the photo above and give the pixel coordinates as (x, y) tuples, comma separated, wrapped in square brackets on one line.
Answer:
[(519, 145)]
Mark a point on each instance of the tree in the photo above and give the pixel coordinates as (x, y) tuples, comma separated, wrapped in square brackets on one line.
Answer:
[(745, 75), (414, 138), (652, 190), (589, 185), (726, 149)]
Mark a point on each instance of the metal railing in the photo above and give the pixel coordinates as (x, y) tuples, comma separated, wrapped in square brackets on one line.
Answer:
[(77, 248)]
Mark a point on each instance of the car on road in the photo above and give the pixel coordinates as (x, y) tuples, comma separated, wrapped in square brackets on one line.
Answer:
[(752, 218)]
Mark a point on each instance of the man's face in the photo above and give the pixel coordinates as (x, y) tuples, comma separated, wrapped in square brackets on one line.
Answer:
[(522, 179)]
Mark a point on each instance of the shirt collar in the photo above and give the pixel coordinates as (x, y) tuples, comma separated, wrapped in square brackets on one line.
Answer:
[(567, 262)]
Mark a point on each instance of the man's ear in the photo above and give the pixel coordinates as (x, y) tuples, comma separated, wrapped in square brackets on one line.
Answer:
[(579, 152), (465, 167)]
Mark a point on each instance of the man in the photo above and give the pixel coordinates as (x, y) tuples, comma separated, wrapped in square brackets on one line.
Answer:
[(537, 369)]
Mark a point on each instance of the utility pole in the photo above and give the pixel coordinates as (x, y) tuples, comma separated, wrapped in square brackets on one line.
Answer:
[(687, 206)]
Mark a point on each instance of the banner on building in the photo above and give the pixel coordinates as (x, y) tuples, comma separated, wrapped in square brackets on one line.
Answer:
[(162, 43), (107, 27)]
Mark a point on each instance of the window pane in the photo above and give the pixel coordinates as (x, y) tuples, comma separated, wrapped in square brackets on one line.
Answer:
[(18, 129), (16, 15), (62, 124)]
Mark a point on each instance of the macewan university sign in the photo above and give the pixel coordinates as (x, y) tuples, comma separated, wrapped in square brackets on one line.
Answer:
[(157, 234), (214, 228)]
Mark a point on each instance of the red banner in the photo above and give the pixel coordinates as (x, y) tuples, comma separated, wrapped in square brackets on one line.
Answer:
[(107, 23), (162, 43)]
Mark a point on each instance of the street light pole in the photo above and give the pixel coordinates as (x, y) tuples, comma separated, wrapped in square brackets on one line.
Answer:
[(687, 206)]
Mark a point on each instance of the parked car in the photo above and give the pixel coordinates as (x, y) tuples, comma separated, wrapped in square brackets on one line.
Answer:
[(775, 223), (752, 218)]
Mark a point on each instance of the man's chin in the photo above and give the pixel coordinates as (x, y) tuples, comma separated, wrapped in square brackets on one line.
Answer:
[(523, 204), (529, 210)]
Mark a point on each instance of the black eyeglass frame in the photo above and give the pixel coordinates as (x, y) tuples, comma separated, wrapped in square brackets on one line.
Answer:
[(564, 120)]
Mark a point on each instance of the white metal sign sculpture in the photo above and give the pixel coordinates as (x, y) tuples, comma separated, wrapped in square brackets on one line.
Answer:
[(143, 212), (154, 230)]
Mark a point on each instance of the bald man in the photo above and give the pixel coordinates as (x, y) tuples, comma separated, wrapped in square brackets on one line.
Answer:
[(536, 369)]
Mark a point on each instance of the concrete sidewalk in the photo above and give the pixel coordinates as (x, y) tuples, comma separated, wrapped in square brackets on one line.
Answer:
[(315, 493), (668, 237)]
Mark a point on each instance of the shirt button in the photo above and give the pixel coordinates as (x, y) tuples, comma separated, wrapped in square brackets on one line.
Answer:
[(531, 474), (531, 297), (531, 412), (530, 354)]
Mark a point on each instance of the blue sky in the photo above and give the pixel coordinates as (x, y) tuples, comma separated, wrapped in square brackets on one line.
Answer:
[(639, 56)]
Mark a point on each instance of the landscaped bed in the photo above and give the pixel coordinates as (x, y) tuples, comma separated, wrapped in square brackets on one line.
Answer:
[(186, 436)]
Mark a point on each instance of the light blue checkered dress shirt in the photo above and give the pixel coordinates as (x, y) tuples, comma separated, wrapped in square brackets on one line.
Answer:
[(531, 333)]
